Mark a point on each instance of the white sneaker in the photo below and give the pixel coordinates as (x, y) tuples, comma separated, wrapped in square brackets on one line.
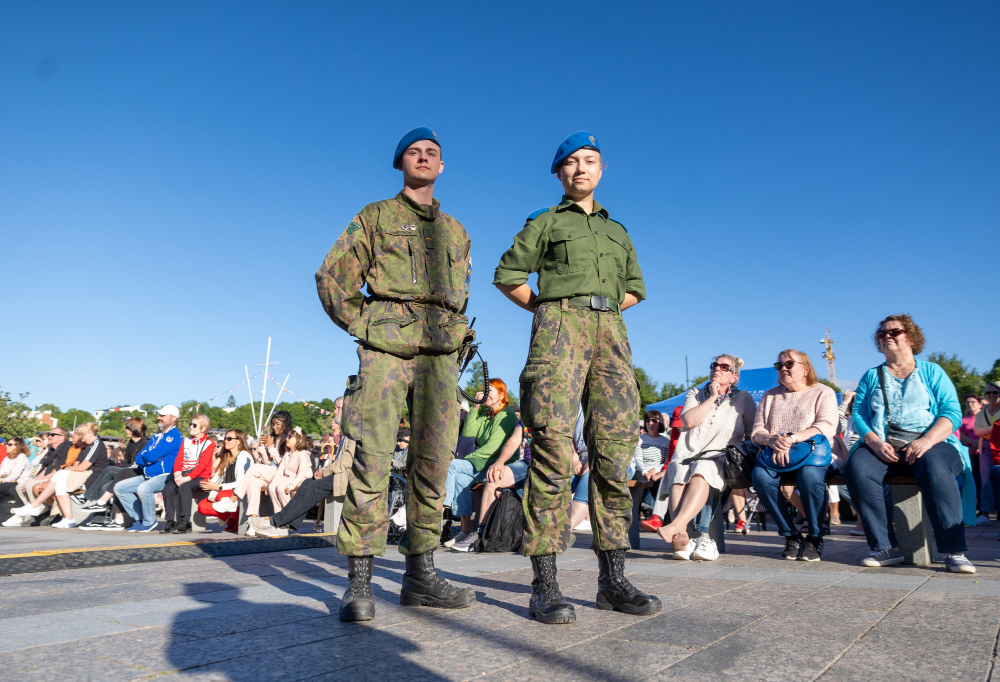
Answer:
[(65, 523), (584, 525), (685, 554), (12, 521), (226, 505), (705, 550), (28, 510)]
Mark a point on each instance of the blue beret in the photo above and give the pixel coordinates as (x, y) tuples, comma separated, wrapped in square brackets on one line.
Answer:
[(580, 140), (414, 135)]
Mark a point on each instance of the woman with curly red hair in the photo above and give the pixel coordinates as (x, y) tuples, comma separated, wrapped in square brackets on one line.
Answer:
[(491, 425)]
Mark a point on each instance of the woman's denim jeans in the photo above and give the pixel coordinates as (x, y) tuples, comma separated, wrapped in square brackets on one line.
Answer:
[(936, 473), (138, 496), (458, 486), (811, 482)]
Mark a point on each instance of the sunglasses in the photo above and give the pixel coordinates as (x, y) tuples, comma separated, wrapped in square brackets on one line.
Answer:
[(891, 333), (725, 367), (787, 364), (991, 393), (229, 438), (193, 425)]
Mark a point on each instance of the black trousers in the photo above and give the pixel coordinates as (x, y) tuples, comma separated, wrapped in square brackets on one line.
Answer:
[(119, 475), (100, 485), (310, 493), (177, 499)]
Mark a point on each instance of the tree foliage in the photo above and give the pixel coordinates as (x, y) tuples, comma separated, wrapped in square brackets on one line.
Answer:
[(830, 384), (475, 382), (966, 379), (14, 420), (653, 392)]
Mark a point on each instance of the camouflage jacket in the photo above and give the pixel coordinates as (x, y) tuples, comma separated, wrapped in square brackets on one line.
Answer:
[(416, 262)]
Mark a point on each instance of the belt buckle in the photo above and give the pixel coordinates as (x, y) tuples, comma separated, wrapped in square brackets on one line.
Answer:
[(599, 302)]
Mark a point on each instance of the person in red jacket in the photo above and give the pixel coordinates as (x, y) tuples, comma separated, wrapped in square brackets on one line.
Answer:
[(192, 466)]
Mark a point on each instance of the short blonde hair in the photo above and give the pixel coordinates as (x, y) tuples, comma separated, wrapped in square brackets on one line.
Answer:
[(203, 420), (82, 429), (811, 378), (737, 362)]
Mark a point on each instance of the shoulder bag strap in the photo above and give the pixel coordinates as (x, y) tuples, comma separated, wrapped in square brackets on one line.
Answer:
[(700, 455), (885, 396)]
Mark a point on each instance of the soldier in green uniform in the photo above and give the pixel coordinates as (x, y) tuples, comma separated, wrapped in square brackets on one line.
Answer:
[(587, 275), (416, 263)]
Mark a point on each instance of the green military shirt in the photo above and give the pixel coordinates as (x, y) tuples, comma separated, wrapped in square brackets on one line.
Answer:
[(574, 254), (415, 260)]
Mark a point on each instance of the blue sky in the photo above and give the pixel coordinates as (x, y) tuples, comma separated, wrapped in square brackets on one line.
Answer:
[(172, 174)]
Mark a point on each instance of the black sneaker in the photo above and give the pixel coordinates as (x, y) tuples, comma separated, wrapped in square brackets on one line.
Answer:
[(793, 545), (79, 498), (812, 549), (113, 525), (93, 524)]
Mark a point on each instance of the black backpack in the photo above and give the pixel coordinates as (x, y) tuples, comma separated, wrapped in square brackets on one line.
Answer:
[(504, 525)]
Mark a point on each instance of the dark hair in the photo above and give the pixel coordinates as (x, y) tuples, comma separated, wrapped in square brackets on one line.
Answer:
[(914, 333), (654, 413), (402, 433), (136, 427), (286, 421), (973, 395)]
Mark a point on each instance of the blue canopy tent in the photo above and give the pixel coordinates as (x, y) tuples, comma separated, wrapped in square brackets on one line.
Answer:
[(756, 381)]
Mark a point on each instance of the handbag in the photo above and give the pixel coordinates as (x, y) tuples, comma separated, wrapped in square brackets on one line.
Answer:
[(815, 451), (896, 437), (737, 463)]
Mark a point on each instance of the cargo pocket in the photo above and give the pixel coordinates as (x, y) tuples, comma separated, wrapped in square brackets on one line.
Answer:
[(352, 419), (536, 394), (394, 331)]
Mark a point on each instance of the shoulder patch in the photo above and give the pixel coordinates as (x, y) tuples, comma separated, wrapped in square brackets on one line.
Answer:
[(536, 214), (353, 227), (619, 224)]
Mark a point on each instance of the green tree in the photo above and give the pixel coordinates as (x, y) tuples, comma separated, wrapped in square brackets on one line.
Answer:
[(966, 379), (475, 382), (14, 420), (232, 401), (669, 389), (74, 416), (992, 375), (830, 384), (148, 407), (113, 423), (649, 392)]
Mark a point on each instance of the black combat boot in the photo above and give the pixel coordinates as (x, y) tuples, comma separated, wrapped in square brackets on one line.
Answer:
[(615, 592), (547, 604), (358, 603), (183, 526), (447, 534), (168, 527), (422, 586)]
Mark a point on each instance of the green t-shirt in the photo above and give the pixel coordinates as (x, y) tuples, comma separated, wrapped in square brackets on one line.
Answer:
[(490, 433)]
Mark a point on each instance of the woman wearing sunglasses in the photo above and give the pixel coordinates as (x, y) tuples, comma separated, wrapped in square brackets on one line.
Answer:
[(983, 426), (713, 416), (906, 412), (799, 409), (227, 471)]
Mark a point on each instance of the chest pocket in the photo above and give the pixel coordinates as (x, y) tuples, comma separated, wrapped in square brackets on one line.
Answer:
[(397, 260), (620, 252), (572, 249)]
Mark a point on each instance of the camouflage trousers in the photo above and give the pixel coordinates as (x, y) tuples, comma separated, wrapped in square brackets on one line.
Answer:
[(578, 356), (373, 405)]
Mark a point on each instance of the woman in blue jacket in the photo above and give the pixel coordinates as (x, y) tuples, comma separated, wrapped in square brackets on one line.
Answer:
[(914, 436)]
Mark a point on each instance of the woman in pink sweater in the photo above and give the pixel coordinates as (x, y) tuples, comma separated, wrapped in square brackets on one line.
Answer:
[(791, 413)]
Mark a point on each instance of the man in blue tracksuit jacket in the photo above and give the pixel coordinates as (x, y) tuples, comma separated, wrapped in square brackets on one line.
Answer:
[(155, 461)]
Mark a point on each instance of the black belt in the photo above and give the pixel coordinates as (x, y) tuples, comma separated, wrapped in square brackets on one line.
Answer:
[(594, 303)]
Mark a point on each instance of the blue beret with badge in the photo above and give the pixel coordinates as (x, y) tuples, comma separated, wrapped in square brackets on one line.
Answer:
[(580, 140), (415, 135)]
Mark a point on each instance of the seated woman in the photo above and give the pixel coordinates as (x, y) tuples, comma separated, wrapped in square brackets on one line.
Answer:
[(791, 413), (192, 465), (507, 471), (491, 424), (101, 492), (14, 469), (271, 448), (92, 460), (230, 466), (295, 466), (713, 416), (905, 399)]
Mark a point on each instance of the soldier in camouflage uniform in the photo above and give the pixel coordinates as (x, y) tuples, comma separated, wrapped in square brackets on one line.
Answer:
[(587, 275), (416, 263)]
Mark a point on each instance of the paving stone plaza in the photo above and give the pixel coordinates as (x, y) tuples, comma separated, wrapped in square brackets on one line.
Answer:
[(273, 616)]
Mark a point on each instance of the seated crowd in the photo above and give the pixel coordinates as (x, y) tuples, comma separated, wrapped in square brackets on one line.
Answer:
[(903, 420)]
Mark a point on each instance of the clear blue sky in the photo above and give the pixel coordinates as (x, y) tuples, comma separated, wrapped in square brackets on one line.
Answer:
[(172, 174)]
